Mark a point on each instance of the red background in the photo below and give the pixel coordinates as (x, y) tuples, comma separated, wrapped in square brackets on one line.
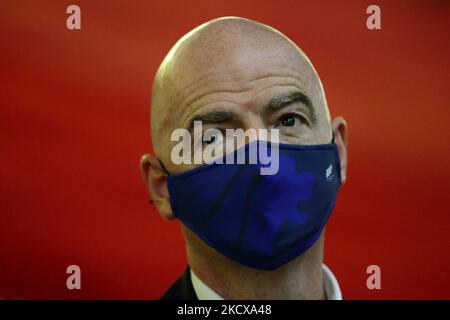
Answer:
[(74, 122)]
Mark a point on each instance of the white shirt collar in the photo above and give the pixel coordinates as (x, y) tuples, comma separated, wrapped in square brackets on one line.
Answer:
[(332, 289)]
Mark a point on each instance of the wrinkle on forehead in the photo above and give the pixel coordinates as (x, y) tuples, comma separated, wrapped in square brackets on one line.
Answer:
[(223, 54), (211, 92)]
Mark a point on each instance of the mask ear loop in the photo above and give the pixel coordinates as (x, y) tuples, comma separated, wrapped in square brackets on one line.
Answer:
[(164, 168)]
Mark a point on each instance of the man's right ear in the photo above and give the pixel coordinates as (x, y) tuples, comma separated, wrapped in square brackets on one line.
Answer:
[(156, 181)]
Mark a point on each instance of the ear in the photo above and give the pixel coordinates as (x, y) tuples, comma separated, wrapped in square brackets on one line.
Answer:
[(156, 181), (340, 130)]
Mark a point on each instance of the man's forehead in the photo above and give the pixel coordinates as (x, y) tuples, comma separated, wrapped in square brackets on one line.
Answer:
[(243, 69)]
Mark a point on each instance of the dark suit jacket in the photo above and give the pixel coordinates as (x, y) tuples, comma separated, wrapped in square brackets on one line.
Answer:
[(181, 289)]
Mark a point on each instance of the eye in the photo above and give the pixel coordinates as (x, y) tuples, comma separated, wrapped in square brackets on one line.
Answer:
[(212, 136), (289, 120), (210, 140)]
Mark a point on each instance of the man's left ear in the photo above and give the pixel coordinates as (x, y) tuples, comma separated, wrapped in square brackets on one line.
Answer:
[(340, 130)]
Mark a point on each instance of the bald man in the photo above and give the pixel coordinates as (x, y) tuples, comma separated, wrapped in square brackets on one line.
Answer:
[(234, 73)]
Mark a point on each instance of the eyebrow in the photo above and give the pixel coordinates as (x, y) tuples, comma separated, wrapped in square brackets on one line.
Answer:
[(278, 102), (211, 117), (283, 100)]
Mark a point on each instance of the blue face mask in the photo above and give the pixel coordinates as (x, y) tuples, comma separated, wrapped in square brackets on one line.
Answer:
[(260, 221)]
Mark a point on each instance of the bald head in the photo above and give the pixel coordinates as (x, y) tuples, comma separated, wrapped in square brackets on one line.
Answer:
[(233, 67), (234, 73)]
